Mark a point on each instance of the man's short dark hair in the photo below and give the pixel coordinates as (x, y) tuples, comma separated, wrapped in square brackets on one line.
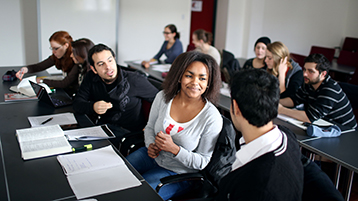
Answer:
[(257, 94), (98, 48), (322, 62)]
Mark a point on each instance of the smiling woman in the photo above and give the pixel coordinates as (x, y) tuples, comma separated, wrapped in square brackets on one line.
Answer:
[(183, 125)]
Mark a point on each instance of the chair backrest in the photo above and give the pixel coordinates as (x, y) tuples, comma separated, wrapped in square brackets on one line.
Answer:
[(300, 59), (223, 156), (350, 44), (327, 52), (348, 58), (156, 83), (229, 65), (190, 47)]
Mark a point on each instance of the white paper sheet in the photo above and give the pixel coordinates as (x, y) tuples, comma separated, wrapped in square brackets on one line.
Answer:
[(161, 67), (60, 119), (97, 172), (89, 133)]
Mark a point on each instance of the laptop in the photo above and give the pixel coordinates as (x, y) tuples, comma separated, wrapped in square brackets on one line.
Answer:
[(54, 99)]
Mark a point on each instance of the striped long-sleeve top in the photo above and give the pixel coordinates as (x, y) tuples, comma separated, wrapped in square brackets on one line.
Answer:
[(328, 102)]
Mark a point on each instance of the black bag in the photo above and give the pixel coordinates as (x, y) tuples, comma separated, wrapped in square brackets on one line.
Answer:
[(9, 76), (224, 154)]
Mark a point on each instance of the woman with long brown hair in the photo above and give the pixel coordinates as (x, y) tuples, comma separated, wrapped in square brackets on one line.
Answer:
[(60, 44)]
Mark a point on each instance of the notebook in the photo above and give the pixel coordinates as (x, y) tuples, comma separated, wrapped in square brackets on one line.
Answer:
[(54, 99)]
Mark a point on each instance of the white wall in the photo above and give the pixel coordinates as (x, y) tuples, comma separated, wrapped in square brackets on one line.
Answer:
[(351, 22), (298, 24), (93, 19), (12, 52), (141, 23)]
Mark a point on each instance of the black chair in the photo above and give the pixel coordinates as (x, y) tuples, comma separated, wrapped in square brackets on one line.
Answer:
[(229, 65), (219, 166), (327, 52)]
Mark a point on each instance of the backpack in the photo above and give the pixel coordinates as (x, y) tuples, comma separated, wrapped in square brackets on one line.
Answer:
[(223, 156)]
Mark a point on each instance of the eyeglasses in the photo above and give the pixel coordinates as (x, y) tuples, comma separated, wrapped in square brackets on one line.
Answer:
[(55, 48), (166, 33)]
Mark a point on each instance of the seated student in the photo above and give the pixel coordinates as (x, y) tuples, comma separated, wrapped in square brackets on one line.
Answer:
[(268, 165), (260, 52), (183, 124), (80, 50), (113, 95), (171, 47), (321, 95), (61, 48), (202, 41), (288, 72)]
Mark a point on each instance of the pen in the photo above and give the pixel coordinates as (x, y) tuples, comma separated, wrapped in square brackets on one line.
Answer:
[(47, 120)]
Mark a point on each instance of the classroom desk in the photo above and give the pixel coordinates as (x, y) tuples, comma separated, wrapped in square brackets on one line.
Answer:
[(148, 71), (6, 85), (340, 68), (43, 179)]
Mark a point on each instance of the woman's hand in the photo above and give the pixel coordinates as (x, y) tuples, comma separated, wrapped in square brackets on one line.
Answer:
[(282, 67), (39, 80), (146, 64), (165, 142), (153, 151), (21, 72)]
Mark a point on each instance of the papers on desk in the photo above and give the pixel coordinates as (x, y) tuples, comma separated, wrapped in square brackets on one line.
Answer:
[(25, 88), (97, 172), (140, 62), (60, 119), (161, 67), (298, 123), (89, 133), (42, 141)]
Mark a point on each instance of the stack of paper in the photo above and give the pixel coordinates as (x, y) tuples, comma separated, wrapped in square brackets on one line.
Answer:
[(97, 172)]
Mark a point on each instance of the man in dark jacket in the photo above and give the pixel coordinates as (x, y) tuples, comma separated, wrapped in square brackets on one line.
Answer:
[(267, 165), (113, 95)]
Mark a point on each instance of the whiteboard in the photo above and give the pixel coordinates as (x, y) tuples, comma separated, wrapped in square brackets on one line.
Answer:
[(93, 19)]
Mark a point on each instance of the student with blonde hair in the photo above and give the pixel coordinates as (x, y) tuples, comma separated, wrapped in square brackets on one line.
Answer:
[(280, 64)]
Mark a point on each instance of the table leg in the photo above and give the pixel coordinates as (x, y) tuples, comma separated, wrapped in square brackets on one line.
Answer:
[(337, 176), (349, 185)]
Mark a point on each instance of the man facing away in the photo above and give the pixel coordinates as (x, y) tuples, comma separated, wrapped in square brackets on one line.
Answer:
[(321, 95), (113, 95), (267, 165)]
